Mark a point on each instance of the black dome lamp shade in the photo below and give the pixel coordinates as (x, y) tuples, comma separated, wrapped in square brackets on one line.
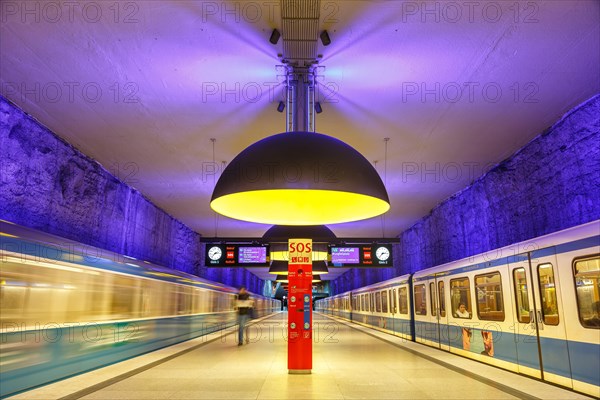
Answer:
[(300, 178), (285, 232), (281, 268), (280, 234), (284, 279)]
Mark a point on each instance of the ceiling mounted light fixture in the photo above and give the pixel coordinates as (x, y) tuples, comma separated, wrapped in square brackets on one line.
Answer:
[(278, 268), (319, 268), (278, 254), (275, 35), (279, 235), (281, 268), (300, 178), (318, 108), (325, 39), (284, 279), (282, 233)]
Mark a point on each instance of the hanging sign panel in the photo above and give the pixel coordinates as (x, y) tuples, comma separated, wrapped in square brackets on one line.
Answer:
[(236, 255), (372, 255)]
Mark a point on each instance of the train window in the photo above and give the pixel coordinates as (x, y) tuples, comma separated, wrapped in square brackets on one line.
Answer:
[(442, 301), (384, 301), (432, 302), (403, 299), (362, 302), (548, 291), (522, 298), (378, 301), (490, 304), (183, 298), (372, 296), (420, 300), (394, 302), (14, 293), (460, 293), (124, 300), (587, 282)]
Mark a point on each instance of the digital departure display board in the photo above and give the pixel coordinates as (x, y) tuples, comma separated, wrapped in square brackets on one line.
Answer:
[(371, 255), (236, 255), (252, 255), (345, 255)]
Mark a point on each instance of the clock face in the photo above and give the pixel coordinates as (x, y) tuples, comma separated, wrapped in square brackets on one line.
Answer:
[(214, 253), (382, 253)]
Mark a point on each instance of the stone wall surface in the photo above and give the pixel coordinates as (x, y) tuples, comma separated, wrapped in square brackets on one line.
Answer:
[(47, 184), (552, 183)]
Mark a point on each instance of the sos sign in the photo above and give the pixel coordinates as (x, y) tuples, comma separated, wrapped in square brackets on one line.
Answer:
[(300, 251)]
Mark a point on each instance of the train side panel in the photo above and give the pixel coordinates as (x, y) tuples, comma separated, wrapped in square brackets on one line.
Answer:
[(532, 307), (63, 312)]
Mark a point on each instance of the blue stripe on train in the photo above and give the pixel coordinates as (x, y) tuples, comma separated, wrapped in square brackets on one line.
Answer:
[(584, 357), (69, 351), (520, 348), (400, 326), (567, 247)]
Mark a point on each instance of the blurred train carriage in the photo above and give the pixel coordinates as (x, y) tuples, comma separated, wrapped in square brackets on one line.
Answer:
[(66, 308), (532, 307)]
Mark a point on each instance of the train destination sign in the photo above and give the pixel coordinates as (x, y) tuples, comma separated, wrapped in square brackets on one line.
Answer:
[(371, 255), (236, 255)]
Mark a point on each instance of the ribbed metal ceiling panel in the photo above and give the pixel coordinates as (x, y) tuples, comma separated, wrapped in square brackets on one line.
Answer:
[(300, 29)]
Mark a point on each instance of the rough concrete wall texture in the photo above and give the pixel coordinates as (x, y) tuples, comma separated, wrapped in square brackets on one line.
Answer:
[(552, 183), (49, 185)]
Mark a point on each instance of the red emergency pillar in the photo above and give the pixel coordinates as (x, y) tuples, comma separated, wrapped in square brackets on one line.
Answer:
[(300, 306)]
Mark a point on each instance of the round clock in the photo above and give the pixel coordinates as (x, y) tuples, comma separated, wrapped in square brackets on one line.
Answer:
[(214, 253), (382, 253)]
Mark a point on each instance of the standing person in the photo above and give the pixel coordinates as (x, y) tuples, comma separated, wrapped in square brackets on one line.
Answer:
[(244, 308)]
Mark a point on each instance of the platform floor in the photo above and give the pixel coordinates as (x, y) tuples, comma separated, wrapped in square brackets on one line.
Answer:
[(349, 362)]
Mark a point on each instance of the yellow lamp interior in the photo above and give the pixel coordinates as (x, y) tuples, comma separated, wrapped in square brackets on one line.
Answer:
[(299, 206)]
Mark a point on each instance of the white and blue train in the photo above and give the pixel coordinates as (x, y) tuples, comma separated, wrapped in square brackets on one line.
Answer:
[(532, 308), (67, 308)]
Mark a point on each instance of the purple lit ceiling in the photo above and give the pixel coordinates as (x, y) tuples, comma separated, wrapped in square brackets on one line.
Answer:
[(142, 87)]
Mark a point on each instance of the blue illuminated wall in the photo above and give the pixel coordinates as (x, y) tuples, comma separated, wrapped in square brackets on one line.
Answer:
[(47, 184), (551, 184)]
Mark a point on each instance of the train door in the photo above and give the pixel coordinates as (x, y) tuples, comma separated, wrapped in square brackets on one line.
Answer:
[(433, 327), (541, 342), (421, 315), (405, 320), (438, 330), (442, 317), (554, 351), (388, 311), (527, 339), (394, 309)]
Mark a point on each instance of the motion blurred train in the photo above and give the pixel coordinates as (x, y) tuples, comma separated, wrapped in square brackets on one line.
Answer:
[(532, 307), (67, 308)]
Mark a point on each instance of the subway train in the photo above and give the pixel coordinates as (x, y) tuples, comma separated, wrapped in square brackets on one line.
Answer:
[(532, 307), (67, 308)]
